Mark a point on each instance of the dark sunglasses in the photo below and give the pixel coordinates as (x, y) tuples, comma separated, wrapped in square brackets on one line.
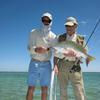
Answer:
[(44, 20), (68, 26)]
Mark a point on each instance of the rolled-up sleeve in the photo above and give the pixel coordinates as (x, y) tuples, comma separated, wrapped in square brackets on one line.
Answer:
[(32, 42)]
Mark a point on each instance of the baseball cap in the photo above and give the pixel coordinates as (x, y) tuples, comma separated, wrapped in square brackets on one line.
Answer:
[(47, 15), (71, 21)]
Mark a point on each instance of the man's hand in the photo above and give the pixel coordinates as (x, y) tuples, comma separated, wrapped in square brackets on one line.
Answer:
[(56, 69), (41, 50), (70, 53)]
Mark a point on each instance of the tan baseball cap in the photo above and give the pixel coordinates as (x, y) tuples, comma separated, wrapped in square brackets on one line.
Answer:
[(71, 21)]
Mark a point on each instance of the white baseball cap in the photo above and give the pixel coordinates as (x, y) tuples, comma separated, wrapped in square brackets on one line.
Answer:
[(71, 21), (47, 15)]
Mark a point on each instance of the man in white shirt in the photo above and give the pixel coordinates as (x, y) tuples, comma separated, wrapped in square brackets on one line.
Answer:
[(40, 67), (66, 68)]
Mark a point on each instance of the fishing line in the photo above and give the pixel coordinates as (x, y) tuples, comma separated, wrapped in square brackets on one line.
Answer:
[(92, 32)]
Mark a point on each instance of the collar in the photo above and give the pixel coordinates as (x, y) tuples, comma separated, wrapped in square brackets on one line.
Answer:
[(73, 37)]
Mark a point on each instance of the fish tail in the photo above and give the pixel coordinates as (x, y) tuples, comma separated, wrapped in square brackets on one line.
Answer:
[(89, 59)]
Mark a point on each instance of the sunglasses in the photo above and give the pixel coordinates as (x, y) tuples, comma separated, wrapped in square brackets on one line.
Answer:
[(45, 20)]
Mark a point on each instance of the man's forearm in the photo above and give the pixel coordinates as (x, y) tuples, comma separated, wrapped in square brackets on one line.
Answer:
[(56, 60)]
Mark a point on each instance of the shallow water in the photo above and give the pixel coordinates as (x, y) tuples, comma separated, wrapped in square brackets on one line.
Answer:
[(13, 86)]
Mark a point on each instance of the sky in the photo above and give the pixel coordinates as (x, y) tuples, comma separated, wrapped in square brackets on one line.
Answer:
[(19, 17)]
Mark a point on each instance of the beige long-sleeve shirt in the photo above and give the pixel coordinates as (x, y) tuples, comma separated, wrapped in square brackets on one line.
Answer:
[(39, 39)]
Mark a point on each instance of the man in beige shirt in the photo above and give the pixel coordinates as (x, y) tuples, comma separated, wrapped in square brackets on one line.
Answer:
[(66, 68), (39, 46)]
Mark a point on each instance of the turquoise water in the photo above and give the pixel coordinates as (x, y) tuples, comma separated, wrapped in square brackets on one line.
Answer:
[(13, 86)]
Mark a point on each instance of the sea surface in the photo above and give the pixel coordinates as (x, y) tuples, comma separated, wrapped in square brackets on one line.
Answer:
[(13, 86)]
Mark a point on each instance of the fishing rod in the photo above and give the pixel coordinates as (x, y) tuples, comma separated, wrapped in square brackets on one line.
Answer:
[(72, 69), (92, 32)]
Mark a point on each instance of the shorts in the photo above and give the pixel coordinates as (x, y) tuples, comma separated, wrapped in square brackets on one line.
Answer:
[(39, 72)]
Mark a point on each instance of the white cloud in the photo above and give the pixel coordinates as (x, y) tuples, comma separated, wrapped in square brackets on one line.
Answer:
[(83, 22)]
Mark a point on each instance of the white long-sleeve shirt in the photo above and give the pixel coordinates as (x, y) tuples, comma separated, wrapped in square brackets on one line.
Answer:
[(39, 39)]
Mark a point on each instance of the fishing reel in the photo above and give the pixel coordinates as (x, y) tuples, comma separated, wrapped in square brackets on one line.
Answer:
[(75, 68)]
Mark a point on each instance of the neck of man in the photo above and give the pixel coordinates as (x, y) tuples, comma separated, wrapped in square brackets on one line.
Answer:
[(46, 29), (71, 34), (71, 37)]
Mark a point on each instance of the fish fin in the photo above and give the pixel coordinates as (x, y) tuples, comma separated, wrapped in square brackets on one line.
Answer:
[(89, 59)]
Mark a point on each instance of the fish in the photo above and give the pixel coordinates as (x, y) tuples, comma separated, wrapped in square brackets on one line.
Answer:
[(62, 47)]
